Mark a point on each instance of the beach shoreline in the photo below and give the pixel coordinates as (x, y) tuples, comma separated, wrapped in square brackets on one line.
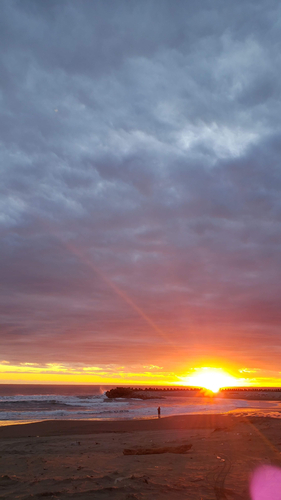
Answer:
[(46, 428), (31, 404)]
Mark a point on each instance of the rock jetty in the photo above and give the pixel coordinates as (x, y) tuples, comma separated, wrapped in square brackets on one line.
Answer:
[(149, 392), (128, 392)]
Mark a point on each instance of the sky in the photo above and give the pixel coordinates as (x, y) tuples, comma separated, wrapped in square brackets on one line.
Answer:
[(140, 190)]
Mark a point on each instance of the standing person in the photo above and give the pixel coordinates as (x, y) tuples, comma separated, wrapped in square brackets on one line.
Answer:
[(159, 411)]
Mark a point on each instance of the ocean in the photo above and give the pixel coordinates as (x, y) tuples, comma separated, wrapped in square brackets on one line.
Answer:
[(31, 403)]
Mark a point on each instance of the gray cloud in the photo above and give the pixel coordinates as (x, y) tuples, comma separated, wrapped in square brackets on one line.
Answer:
[(140, 148)]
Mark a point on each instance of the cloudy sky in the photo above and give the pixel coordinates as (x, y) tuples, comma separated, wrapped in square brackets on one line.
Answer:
[(140, 188)]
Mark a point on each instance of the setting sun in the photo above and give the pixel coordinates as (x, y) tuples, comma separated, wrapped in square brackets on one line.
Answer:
[(211, 378)]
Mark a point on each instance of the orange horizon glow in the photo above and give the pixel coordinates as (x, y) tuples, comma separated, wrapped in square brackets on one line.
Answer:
[(211, 378)]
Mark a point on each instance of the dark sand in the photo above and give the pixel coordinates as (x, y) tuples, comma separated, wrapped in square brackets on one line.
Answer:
[(85, 460)]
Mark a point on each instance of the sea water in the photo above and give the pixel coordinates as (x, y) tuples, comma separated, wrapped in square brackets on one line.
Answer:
[(31, 403)]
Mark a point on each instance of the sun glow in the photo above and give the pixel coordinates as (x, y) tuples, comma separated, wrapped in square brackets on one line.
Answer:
[(211, 378)]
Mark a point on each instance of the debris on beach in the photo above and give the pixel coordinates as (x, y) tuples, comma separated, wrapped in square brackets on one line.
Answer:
[(157, 451)]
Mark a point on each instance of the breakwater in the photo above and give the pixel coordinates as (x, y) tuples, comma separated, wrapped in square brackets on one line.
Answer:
[(151, 392), (266, 393)]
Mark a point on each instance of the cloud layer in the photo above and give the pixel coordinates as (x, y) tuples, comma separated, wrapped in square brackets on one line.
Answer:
[(140, 192)]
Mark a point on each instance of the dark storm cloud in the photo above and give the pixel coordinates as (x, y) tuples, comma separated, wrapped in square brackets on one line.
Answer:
[(140, 150)]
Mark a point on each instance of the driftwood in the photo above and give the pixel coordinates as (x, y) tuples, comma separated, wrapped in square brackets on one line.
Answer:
[(157, 451)]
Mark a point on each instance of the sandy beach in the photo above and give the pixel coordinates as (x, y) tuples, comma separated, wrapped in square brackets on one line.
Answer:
[(193, 456)]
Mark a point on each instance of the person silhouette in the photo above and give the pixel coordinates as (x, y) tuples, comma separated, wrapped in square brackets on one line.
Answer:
[(159, 411)]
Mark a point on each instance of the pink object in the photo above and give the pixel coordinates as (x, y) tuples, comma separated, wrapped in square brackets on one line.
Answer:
[(266, 483)]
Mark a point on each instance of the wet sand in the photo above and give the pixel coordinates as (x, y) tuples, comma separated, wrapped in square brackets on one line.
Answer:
[(86, 460)]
